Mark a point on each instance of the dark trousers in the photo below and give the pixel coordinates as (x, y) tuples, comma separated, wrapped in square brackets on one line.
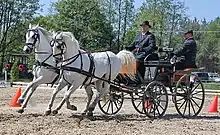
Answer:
[(180, 65), (140, 68)]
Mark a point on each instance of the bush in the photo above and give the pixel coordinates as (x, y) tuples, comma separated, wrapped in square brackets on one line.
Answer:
[(14, 73)]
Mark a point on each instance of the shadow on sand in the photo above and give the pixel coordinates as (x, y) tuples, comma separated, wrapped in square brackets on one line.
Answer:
[(136, 117)]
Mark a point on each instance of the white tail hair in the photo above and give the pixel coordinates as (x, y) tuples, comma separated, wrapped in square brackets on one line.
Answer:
[(128, 60)]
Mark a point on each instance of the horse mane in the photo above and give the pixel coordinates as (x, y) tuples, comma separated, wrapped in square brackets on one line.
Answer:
[(72, 37), (46, 33)]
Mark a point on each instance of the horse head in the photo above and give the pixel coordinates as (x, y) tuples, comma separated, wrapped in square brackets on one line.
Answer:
[(34, 37), (64, 45)]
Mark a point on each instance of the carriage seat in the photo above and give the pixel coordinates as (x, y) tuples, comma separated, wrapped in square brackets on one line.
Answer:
[(153, 56)]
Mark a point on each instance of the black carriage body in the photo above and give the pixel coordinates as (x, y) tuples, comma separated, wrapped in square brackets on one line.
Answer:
[(151, 90)]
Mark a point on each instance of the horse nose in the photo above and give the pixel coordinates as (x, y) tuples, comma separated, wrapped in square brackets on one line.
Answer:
[(26, 50)]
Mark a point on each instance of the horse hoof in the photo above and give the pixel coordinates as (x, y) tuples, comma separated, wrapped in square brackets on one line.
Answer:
[(83, 114), (55, 112), (20, 101), (48, 112), (20, 111), (72, 107), (90, 114)]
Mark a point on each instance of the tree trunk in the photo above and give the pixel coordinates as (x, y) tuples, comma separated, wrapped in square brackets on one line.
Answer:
[(119, 25)]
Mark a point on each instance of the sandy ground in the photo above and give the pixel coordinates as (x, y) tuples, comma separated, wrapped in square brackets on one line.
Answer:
[(127, 121)]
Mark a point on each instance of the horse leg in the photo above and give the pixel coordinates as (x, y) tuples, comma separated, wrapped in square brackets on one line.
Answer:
[(101, 90), (89, 93), (24, 93), (60, 86), (66, 98), (35, 84)]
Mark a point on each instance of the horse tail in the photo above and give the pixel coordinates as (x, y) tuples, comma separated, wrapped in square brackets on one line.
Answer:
[(128, 63)]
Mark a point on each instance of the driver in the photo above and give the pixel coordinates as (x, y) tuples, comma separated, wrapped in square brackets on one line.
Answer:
[(143, 45), (187, 52)]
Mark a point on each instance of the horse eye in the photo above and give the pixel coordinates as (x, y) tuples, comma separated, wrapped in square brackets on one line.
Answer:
[(52, 43), (34, 36), (59, 47)]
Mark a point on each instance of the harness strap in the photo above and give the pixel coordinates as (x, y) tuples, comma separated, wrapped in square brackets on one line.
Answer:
[(55, 79), (80, 54), (75, 57), (43, 62), (91, 70), (86, 73)]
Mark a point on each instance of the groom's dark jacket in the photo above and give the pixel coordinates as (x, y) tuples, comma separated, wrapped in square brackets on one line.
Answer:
[(143, 45)]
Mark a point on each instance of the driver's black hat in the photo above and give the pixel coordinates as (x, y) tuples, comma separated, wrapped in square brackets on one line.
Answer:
[(145, 23), (188, 32)]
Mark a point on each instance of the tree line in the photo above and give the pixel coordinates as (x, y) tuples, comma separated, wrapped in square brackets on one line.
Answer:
[(101, 25)]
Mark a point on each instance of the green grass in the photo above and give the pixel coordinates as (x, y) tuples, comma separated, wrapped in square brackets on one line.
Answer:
[(22, 80), (212, 86)]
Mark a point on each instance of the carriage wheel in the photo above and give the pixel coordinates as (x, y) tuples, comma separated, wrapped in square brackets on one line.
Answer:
[(189, 96), (112, 102), (155, 100), (137, 99)]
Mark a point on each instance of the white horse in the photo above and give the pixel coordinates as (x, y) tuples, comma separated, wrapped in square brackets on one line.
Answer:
[(38, 40), (106, 66)]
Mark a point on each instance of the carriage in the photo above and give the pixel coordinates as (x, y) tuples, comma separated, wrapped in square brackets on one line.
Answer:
[(150, 97)]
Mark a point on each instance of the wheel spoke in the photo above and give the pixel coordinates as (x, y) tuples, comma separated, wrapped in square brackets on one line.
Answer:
[(180, 99), (195, 87), (189, 107), (116, 105), (182, 104), (195, 102), (105, 104), (197, 92), (192, 107), (158, 110), (139, 104), (158, 104), (184, 111), (197, 98), (154, 110), (108, 106), (112, 107), (119, 102)]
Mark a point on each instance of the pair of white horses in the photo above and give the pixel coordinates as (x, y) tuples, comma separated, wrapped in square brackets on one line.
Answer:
[(49, 47)]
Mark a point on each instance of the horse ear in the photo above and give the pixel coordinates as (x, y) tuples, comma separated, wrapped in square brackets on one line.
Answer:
[(37, 25), (30, 26), (53, 32)]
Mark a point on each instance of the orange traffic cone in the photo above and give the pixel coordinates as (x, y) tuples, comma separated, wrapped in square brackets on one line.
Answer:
[(214, 105), (14, 100)]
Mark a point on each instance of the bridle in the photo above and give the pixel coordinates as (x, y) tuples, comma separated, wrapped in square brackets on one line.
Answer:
[(60, 44), (32, 46), (36, 37)]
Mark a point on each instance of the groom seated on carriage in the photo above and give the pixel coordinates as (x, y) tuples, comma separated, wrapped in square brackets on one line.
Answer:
[(143, 45), (187, 53)]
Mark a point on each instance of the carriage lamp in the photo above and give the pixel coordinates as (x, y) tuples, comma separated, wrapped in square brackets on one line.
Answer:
[(8, 66), (20, 67)]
